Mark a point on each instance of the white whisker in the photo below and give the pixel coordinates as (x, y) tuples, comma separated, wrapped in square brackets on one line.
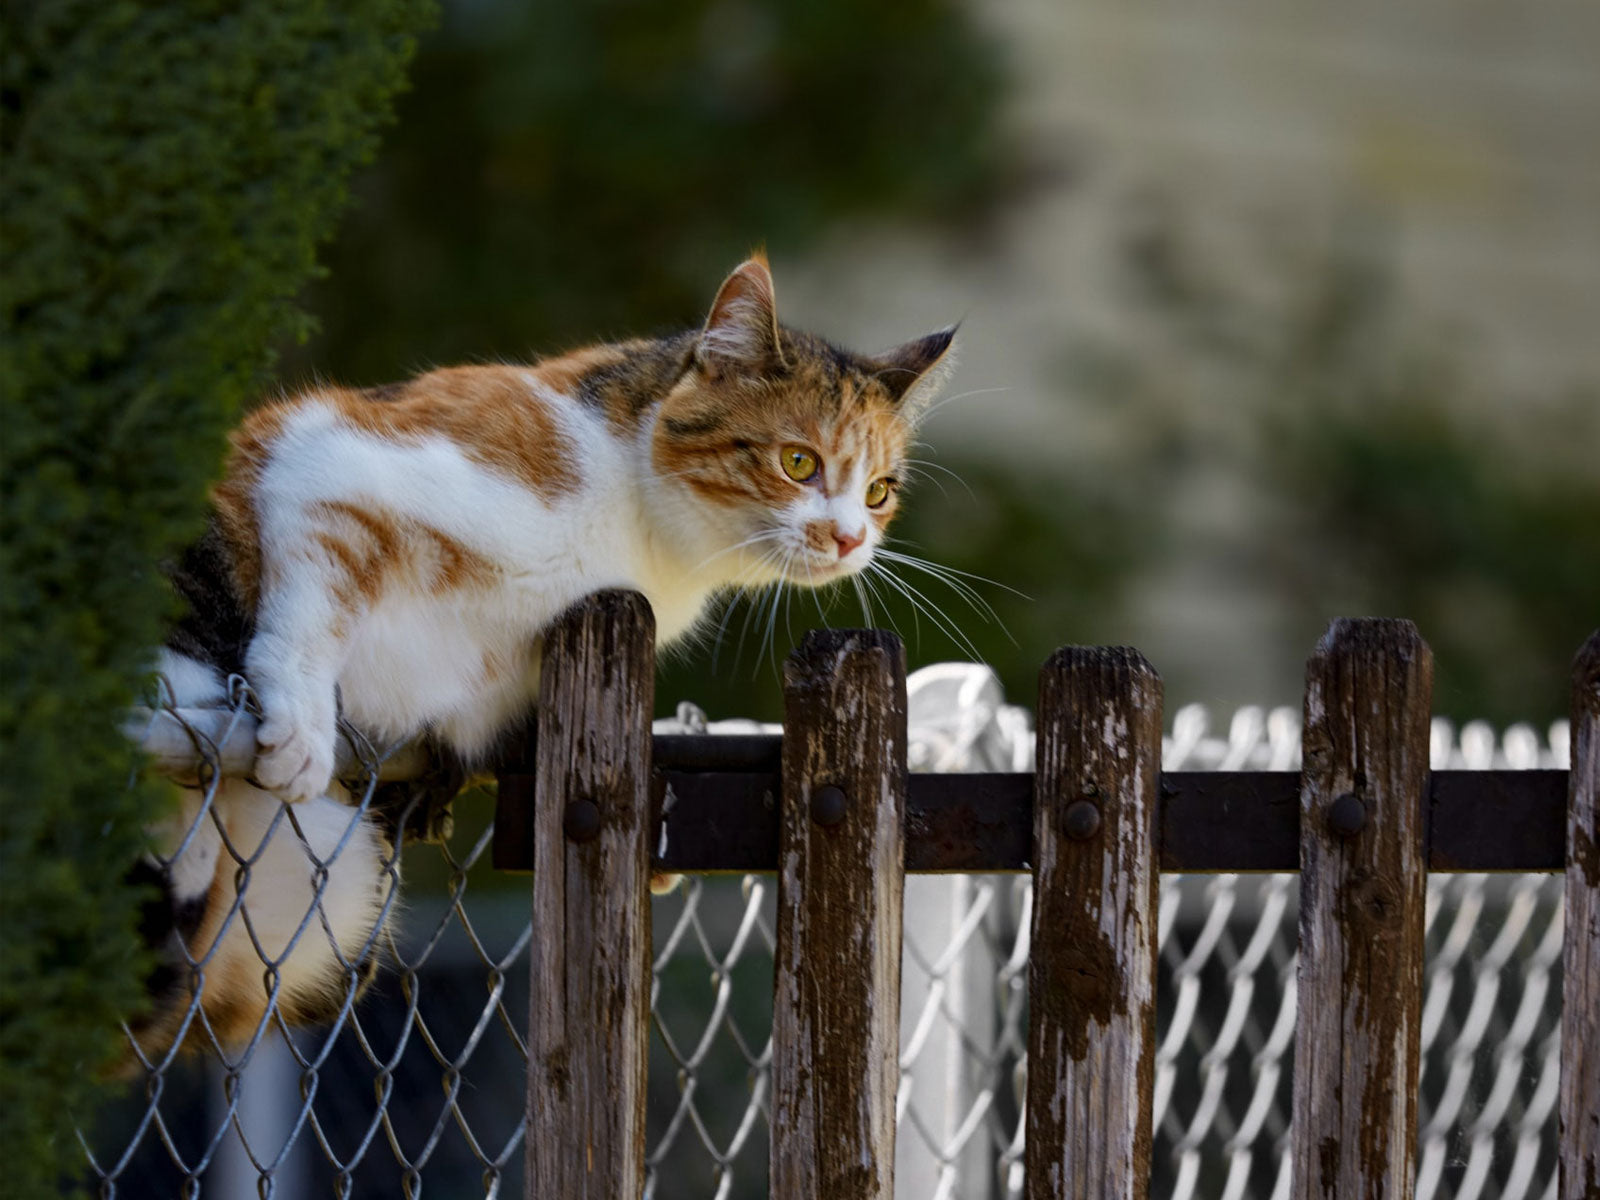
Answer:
[(932, 611), (861, 597), (933, 466), (927, 564), (888, 609), (947, 400), (763, 535)]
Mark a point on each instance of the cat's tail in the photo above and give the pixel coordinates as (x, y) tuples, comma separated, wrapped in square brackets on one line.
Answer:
[(264, 910)]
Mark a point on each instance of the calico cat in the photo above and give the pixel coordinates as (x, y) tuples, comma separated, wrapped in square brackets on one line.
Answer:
[(389, 557)]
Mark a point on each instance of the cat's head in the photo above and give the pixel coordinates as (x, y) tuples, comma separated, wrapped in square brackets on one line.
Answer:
[(793, 449)]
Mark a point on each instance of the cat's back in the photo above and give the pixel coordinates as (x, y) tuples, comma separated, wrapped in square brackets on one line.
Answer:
[(525, 423), (462, 449)]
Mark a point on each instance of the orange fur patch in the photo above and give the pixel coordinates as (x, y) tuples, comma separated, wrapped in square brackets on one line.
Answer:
[(363, 544), (455, 565), (370, 547), (489, 412)]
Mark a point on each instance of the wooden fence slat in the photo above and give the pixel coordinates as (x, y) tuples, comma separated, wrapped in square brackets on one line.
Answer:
[(836, 1020), (1580, 948), (1363, 888), (590, 955), (1092, 968)]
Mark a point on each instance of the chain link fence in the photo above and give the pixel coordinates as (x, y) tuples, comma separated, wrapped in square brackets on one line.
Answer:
[(418, 1087)]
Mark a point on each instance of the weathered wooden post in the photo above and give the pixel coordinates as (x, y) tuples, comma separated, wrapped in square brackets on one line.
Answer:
[(1363, 887), (589, 1006), (1092, 969), (1580, 948), (841, 875)]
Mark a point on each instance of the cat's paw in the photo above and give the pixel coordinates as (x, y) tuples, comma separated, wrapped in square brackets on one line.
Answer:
[(294, 753)]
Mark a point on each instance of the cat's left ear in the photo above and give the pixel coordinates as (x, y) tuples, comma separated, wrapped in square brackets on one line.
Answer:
[(914, 373), (741, 334)]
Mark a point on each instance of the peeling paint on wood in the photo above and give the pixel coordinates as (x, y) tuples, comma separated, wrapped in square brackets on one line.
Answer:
[(1369, 687), (1580, 949), (1092, 969), (836, 1019), (590, 953)]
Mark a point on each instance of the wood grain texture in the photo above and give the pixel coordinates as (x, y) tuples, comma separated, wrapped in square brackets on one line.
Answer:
[(836, 1023), (590, 971), (1369, 686), (1092, 968), (1580, 947)]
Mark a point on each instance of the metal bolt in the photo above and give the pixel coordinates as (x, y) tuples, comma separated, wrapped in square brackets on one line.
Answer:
[(1347, 815), (581, 821), (828, 805), (1082, 820)]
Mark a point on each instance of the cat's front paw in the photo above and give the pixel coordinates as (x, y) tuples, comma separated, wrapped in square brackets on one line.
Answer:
[(294, 753)]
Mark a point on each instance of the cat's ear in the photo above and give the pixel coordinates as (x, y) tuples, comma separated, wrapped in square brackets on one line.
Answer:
[(741, 334), (914, 372)]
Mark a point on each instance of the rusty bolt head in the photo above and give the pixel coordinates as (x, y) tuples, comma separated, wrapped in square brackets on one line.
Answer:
[(828, 805), (581, 821), (1347, 815), (1082, 820)]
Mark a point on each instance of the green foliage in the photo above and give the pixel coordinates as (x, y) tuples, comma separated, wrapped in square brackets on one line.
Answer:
[(563, 172), (168, 171)]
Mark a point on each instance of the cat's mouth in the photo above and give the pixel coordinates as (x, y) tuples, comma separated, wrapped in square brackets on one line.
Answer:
[(811, 569)]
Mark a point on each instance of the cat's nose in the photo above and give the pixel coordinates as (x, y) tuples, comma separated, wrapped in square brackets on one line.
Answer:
[(847, 541)]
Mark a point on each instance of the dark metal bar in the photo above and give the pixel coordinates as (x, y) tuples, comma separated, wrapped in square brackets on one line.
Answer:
[(717, 752), (1209, 821), (1497, 820), (724, 817)]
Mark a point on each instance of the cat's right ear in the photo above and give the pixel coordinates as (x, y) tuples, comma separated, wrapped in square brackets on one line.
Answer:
[(741, 334)]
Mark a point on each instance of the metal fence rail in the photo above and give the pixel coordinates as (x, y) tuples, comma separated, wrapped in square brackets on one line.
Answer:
[(418, 1087)]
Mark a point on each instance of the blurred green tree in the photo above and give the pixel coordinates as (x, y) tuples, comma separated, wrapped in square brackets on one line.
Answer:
[(168, 173)]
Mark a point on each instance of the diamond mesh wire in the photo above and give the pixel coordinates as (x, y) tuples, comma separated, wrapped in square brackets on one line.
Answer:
[(418, 1086)]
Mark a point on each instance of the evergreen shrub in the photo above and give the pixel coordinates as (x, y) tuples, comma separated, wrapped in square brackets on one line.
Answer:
[(168, 171)]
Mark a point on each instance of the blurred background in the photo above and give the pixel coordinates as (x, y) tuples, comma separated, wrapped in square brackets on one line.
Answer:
[(1267, 316)]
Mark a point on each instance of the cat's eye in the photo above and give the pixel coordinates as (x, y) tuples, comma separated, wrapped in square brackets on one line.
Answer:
[(799, 464), (878, 491)]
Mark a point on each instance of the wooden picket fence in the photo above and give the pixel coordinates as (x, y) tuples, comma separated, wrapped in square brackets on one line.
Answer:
[(593, 804)]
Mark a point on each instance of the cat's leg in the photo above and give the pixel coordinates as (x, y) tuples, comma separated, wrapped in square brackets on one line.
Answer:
[(292, 664)]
